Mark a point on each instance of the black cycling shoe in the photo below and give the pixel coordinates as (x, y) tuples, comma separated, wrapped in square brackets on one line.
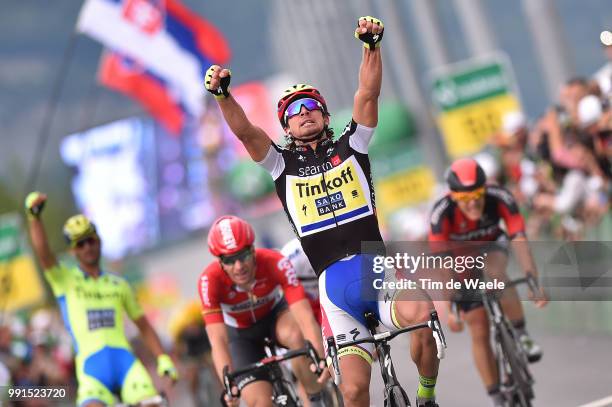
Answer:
[(426, 403), (531, 348)]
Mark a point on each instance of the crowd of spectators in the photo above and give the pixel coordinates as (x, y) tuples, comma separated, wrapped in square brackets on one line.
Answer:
[(558, 167), (35, 350)]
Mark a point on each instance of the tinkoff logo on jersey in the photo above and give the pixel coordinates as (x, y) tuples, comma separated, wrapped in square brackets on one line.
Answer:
[(321, 201)]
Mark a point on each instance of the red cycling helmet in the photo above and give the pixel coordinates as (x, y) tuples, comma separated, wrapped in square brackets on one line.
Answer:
[(465, 174), (296, 92), (229, 235)]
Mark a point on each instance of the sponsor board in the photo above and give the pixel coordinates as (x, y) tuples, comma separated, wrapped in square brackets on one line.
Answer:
[(471, 98)]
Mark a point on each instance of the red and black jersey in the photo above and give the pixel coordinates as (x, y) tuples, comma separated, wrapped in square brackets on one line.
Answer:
[(223, 301), (448, 223)]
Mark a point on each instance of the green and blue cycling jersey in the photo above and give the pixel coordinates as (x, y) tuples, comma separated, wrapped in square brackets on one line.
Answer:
[(93, 310)]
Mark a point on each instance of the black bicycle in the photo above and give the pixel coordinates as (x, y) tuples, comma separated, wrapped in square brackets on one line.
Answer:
[(283, 391), (395, 396), (513, 367)]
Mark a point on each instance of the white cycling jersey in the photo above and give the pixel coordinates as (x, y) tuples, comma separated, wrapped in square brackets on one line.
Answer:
[(304, 271)]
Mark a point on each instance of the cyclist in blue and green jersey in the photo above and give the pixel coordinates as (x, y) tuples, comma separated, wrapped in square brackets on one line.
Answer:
[(93, 303)]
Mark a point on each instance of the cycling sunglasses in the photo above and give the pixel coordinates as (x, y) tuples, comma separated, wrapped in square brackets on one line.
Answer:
[(296, 107), (466, 196), (243, 256), (83, 242)]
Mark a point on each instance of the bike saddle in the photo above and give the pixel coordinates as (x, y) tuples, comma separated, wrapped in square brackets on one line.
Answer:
[(371, 321)]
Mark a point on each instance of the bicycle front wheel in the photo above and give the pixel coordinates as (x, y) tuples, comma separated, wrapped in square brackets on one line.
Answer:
[(516, 367), (285, 395), (396, 397)]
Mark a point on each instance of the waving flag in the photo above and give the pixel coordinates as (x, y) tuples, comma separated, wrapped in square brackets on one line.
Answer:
[(171, 43), (156, 95)]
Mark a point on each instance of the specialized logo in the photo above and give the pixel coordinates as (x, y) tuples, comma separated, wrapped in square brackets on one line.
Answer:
[(324, 200), (227, 234)]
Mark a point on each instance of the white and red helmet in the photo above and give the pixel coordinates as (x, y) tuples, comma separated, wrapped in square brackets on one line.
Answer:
[(228, 235)]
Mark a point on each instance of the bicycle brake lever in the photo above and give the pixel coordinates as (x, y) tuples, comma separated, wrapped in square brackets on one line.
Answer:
[(332, 351), (436, 330), (312, 354), (227, 383)]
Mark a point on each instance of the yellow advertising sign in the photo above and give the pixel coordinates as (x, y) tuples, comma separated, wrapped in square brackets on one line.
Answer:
[(468, 128), (405, 188), (471, 98), (20, 284)]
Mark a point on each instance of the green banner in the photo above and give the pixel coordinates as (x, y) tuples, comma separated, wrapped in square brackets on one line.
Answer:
[(10, 236), (471, 84)]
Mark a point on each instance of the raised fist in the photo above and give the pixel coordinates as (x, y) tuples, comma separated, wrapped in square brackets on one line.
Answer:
[(217, 81), (34, 204), (370, 31)]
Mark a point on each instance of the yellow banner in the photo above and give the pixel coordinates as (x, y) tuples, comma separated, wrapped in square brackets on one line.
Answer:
[(404, 188), (467, 129), (20, 284)]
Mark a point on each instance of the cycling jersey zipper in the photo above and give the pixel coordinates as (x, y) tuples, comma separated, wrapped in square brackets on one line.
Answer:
[(251, 308), (322, 166)]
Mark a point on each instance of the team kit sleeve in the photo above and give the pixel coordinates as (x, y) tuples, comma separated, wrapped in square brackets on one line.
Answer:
[(211, 307), (130, 303), (273, 162), (359, 136), (509, 211), (439, 224), (287, 277), (57, 277)]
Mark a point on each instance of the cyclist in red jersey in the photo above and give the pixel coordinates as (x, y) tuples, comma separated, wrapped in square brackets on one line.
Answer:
[(245, 297), (472, 211)]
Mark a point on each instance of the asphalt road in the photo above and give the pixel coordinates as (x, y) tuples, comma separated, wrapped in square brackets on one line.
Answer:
[(575, 370)]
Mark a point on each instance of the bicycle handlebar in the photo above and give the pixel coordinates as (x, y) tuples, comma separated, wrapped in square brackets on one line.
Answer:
[(529, 279), (308, 351), (433, 324)]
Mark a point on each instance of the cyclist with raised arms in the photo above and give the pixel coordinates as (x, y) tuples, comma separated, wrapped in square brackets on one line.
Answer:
[(245, 297), (93, 303), (326, 189), (473, 211)]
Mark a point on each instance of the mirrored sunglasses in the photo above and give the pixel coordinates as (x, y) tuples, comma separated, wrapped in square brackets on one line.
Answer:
[(466, 196), (243, 256), (296, 107)]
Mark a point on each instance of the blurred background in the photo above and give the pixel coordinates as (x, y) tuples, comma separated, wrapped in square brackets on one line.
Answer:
[(110, 123)]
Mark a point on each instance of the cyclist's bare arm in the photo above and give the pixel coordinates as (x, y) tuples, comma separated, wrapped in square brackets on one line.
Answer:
[(38, 236), (219, 343), (302, 312), (520, 246), (255, 140), (149, 336), (365, 107)]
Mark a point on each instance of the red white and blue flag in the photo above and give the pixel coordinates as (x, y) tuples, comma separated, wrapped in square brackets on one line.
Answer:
[(127, 76), (160, 48)]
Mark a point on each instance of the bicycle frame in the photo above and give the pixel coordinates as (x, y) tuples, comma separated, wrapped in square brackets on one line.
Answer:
[(271, 365), (381, 341), (500, 324)]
